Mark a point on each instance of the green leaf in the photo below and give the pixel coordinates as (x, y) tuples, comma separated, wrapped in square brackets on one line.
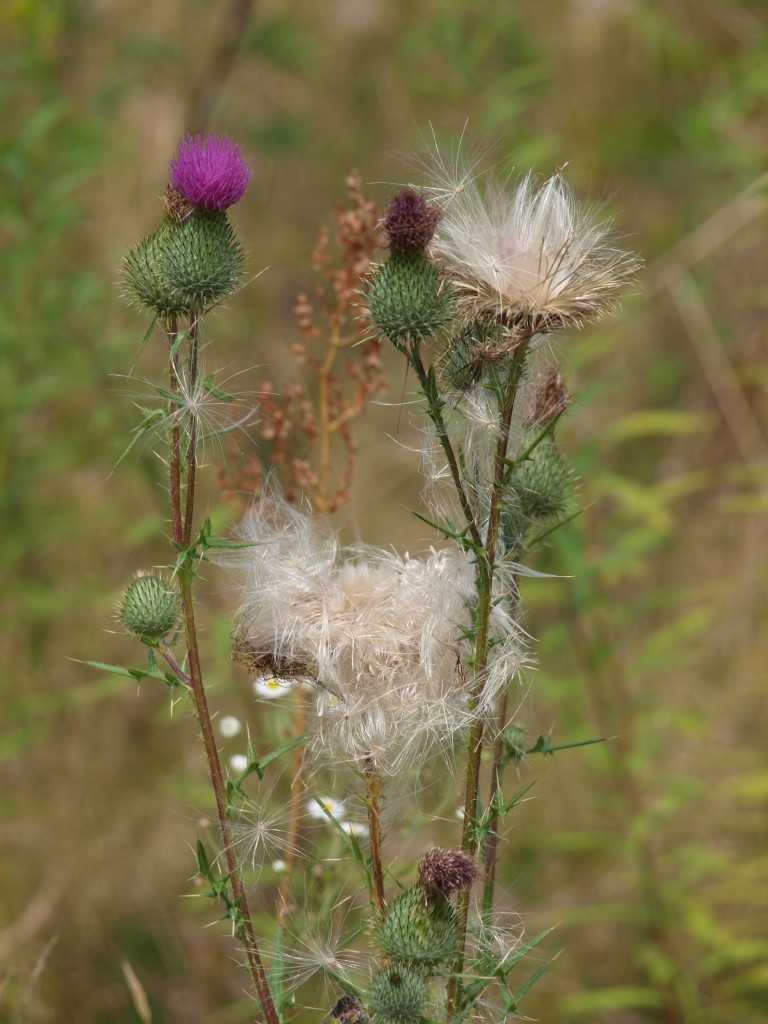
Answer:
[(129, 673)]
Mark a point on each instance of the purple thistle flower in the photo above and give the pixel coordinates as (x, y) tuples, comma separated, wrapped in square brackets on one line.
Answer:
[(210, 172)]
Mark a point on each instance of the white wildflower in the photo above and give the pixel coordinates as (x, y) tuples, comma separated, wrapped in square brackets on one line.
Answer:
[(380, 637), (526, 256), (229, 726), (317, 803), (271, 687)]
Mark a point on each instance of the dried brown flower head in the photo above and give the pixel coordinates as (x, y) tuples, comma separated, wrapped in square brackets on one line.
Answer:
[(446, 871)]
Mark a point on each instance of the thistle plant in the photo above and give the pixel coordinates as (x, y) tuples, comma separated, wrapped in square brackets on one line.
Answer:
[(395, 662)]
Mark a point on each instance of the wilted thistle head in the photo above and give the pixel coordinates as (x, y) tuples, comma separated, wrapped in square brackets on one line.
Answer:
[(210, 171), (549, 397), (527, 256), (379, 637), (148, 608), (410, 220), (446, 871)]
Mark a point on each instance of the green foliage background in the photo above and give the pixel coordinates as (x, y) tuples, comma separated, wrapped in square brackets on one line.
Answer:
[(648, 852)]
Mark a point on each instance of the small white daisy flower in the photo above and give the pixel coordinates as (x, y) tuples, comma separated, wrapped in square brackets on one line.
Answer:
[(238, 763), (230, 726), (317, 803), (271, 686)]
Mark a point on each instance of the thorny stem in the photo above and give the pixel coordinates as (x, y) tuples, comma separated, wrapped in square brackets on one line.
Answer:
[(244, 926), (191, 453), (177, 670), (485, 573), (373, 806), (173, 341), (497, 770), (436, 415)]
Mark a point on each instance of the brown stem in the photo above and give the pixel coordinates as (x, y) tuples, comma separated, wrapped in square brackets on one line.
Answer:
[(372, 803), (181, 530), (177, 670), (245, 929)]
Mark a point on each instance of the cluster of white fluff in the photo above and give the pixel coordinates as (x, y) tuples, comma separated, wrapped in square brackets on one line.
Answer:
[(526, 255), (379, 638)]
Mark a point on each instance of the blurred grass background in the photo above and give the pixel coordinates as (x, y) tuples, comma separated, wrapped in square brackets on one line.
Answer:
[(648, 852)]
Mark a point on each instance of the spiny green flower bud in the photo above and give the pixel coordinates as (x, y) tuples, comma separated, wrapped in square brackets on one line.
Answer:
[(417, 929), (397, 994), (149, 609), (406, 298), (186, 266), (544, 482)]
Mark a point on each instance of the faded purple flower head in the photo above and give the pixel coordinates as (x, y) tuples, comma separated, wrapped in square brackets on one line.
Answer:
[(210, 172), (446, 871), (410, 221)]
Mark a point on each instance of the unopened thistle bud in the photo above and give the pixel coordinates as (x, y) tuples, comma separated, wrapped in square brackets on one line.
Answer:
[(186, 266), (397, 994), (444, 871), (418, 928), (149, 609), (544, 482), (406, 299), (410, 221)]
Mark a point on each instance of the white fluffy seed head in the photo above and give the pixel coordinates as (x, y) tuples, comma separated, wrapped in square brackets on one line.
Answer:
[(379, 638), (526, 255)]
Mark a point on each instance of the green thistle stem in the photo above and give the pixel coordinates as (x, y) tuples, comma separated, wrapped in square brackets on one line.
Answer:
[(182, 528), (435, 410), (485, 572)]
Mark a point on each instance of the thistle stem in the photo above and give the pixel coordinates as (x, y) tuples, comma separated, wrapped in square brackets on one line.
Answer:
[(373, 806), (435, 410), (485, 573), (492, 844), (182, 529)]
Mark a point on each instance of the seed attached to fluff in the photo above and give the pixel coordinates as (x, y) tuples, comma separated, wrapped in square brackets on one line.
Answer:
[(445, 871)]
